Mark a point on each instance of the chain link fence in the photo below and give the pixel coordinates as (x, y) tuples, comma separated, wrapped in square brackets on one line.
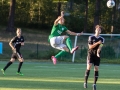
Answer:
[(43, 51)]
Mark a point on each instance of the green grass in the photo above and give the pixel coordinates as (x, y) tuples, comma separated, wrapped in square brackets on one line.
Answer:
[(63, 76)]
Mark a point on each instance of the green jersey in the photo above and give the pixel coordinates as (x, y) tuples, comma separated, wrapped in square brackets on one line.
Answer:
[(57, 30)]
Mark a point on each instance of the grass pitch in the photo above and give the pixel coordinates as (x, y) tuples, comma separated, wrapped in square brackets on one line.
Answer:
[(63, 76)]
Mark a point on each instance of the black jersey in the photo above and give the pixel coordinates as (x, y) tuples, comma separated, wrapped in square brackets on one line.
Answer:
[(17, 42), (91, 41)]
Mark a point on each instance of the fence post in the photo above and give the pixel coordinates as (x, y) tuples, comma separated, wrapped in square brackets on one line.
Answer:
[(74, 46), (37, 50)]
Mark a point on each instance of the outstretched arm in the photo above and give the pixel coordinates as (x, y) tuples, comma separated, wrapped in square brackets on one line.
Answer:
[(59, 18), (73, 33)]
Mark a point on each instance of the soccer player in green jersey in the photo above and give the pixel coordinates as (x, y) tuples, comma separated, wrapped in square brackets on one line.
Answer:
[(56, 39)]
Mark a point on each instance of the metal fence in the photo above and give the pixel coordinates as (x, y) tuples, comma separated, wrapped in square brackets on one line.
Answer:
[(43, 51)]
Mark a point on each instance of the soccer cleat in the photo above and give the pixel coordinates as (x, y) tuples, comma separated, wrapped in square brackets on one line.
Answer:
[(19, 73), (54, 60), (85, 85), (74, 49), (94, 86), (3, 71)]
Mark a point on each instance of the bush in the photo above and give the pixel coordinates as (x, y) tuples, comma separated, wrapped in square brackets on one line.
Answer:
[(83, 53), (108, 52)]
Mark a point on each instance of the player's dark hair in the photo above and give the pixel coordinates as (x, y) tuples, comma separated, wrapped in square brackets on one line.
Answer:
[(99, 26)]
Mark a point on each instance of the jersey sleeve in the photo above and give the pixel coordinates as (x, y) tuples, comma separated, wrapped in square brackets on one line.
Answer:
[(13, 39), (103, 40), (22, 40), (65, 28), (90, 40)]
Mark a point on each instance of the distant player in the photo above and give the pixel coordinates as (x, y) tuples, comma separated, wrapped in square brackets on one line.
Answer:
[(95, 43), (16, 43), (57, 40)]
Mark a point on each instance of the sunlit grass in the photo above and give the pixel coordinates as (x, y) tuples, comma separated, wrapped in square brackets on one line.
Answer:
[(107, 81), (63, 76)]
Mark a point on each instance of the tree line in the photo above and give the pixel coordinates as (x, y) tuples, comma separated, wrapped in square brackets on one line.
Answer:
[(80, 15)]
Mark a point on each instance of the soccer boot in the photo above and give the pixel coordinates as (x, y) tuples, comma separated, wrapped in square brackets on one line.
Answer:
[(74, 49), (54, 60), (3, 71), (19, 73), (94, 86), (85, 85)]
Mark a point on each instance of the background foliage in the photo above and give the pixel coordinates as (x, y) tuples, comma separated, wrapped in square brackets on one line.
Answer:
[(41, 14), (38, 17)]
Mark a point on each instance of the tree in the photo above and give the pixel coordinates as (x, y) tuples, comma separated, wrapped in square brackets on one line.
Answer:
[(113, 18), (71, 5), (86, 15), (10, 27), (97, 13), (59, 8)]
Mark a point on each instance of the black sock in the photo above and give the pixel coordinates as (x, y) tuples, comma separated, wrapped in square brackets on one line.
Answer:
[(95, 76), (7, 65), (87, 72), (20, 65)]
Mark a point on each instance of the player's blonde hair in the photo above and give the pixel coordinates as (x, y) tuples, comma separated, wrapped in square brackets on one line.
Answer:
[(18, 29)]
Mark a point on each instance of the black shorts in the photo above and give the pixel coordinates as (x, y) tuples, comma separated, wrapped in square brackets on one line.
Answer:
[(16, 55), (93, 59)]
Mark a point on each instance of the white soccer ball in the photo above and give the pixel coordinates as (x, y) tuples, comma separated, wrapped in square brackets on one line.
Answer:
[(110, 3)]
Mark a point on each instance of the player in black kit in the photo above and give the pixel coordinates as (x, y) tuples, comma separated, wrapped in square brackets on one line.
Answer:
[(95, 43), (15, 44)]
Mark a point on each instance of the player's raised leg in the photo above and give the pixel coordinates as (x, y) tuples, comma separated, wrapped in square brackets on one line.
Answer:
[(61, 53), (69, 44)]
